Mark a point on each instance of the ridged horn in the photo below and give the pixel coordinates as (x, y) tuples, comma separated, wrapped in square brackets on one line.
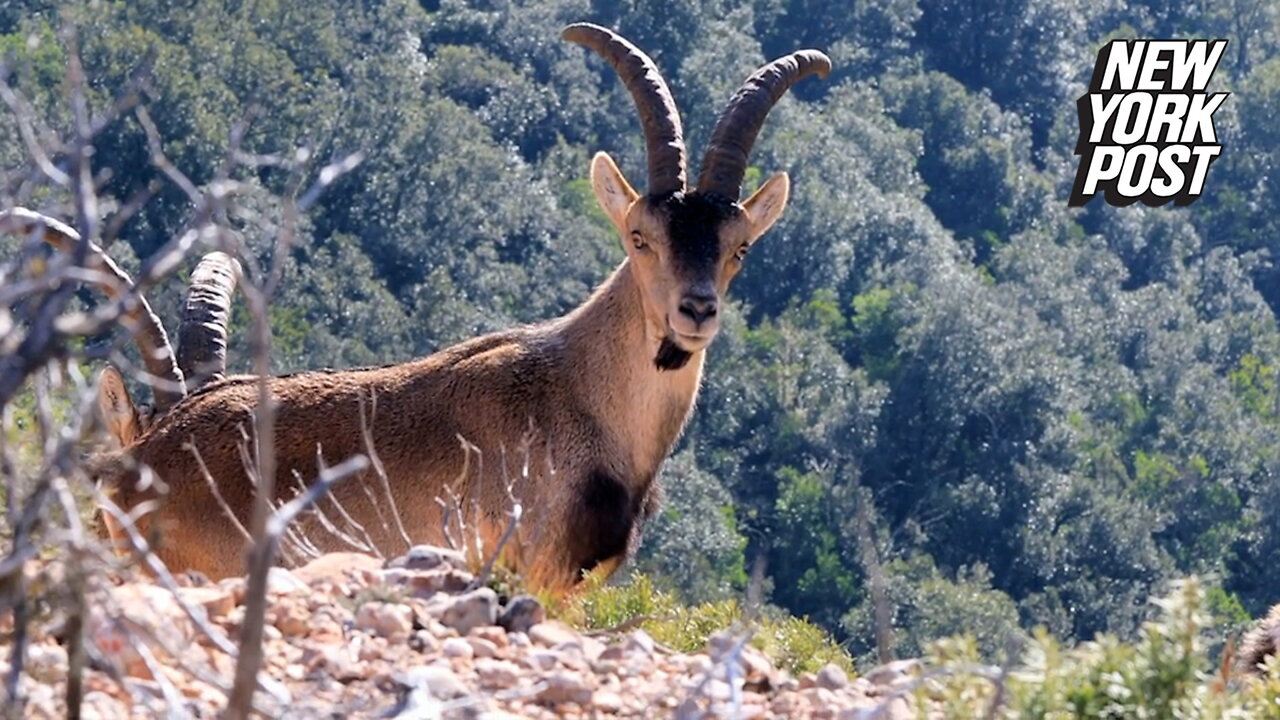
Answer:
[(157, 354), (725, 161), (202, 336), (658, 114)]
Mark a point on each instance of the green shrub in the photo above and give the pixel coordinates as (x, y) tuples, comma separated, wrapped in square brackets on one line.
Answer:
[(1167, 673), (792, 643)]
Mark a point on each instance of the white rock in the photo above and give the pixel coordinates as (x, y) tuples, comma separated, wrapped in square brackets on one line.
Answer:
[(390, 620), (832, 677), (640, 640), (429, 557), (147, 614), (566, 687), (552, 634), (440, 682), (46, 663), (543, 659), (477, 608), (457, 648), (892, 672), (482, 648), (499, 674), (280, 580)]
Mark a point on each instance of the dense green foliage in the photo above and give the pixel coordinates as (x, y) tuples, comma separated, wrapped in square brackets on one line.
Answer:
[(1013, 414)]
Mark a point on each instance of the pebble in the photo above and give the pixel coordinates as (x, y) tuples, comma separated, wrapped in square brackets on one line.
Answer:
[(641, 641), (543, 659), (819, 697), (390, 620), (292, 619), (500, 674), (607, 701), (522, 613), (891, 673), (98, 704), (564, 687), (493, 634), (339, 569), (831, 677), (425, 584), (442, 683), (135, 613), (470, 610), (552, 633), (216, 601), (429, 557), (280, 580), (457, 648), (481, 648), (424, 642), (46, 663)]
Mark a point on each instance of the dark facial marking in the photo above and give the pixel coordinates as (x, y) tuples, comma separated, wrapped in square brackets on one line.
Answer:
[(670, 356), (694, 227)]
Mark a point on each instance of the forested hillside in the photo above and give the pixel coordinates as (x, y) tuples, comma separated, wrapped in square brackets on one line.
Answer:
[(1009, 413)]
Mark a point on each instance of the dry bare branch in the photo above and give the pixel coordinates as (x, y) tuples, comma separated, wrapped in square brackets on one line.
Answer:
[(240, 702), (366, 433), (190, 446)]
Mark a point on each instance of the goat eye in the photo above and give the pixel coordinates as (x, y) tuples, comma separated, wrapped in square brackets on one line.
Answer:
[(638, 240), (742, 251)]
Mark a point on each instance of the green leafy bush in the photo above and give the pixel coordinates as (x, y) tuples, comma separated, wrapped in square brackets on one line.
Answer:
[(792, 643)]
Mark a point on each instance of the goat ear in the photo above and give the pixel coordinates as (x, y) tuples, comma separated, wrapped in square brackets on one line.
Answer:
[(612, 190), (766, 205), (118, 411)]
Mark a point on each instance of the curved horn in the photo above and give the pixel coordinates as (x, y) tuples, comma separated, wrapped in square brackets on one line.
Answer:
[(202, 336), (148, 332), (658, 114), (726, 159)]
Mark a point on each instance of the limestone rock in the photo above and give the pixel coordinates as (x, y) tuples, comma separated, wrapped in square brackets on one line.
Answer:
[(147, 614), (429, 557), (339, 568), (563, 687), (457, 648), (551, 634), (891, 673), (832, 677), (425, 584), (477, 608), (500, 674), (389, 620), (522, 613)]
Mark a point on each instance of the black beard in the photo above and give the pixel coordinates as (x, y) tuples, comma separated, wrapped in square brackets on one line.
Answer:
[(670, 356)]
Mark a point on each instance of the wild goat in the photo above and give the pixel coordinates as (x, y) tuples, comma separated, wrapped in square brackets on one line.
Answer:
[(591, 402)]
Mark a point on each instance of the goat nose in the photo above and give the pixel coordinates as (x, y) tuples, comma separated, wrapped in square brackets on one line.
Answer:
[(698, 308)]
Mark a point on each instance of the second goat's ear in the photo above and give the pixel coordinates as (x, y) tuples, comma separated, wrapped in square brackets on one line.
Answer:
[(119, 413), (612, 190)]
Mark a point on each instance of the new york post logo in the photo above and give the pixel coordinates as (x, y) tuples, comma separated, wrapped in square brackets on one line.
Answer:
[(1146, 124)]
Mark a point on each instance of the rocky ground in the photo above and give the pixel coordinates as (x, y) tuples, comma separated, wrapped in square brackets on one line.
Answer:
[(347, 636)]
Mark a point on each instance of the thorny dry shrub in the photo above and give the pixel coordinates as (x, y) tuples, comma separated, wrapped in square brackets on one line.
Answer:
[(53, 562)]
